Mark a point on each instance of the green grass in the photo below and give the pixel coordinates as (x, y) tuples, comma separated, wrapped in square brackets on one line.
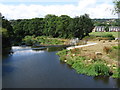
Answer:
[(115, 34)]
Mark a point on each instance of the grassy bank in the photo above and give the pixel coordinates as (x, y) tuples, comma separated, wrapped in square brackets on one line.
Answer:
[(115, 34), (89, 64), (43, 40)]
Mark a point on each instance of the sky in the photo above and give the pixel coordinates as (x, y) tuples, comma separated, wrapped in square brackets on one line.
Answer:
[(27, 9)]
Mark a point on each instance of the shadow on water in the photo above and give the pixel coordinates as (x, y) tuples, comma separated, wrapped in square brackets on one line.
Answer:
[(104, 79), (118, 82)]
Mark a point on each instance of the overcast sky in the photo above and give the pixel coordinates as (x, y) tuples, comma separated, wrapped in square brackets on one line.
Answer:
[(24, 9)]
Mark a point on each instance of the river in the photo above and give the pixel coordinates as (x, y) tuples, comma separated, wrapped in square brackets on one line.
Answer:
[(30, 68)]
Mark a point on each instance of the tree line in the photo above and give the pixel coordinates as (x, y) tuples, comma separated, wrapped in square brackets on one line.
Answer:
[(63, 26)]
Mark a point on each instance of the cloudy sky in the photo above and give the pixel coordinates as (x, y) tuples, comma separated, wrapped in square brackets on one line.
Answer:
[(19, 9)]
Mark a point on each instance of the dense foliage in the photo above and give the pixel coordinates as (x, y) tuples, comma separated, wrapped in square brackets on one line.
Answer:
[(117, 6), (7, 34), (54, 26), (41, 40)]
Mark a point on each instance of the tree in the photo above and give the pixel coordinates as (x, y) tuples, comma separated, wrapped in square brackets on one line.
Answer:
[(7, 25), (83, 25), (107, 28), (6, 32), (117, 6), (5, 38), (50, 25), (117, 10), (64, 26)]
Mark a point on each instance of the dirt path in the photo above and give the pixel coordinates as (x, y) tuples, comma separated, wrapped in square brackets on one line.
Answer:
[(81, 46)]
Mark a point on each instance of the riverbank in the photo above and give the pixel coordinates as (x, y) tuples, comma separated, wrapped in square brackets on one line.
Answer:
[(93, 60), (44, 41)]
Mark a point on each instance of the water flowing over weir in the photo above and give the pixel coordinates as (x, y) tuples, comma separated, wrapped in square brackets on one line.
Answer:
[(41, 68)]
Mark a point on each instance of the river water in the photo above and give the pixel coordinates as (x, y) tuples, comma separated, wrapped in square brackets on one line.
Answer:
[(28, 68)]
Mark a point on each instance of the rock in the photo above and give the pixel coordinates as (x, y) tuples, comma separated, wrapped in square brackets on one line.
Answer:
[(116, 38), (109, 65), (98, 53), (103, 41), (65, 60), (73, 54), (114, 67)]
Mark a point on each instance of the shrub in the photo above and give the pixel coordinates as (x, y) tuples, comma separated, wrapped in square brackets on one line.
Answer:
[(116, 47), (114, 53), (116, 74), (89, 37), (101, 69), (109, 36), (28, 40), (107, 49)]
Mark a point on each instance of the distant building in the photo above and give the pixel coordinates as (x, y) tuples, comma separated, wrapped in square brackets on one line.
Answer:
[(102, 29), (114, 29)]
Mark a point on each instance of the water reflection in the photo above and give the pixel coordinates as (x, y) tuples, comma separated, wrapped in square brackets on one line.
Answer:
[(117, 82), (104, 79)]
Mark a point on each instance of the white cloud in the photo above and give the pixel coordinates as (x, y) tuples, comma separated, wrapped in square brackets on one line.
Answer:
[(91, 7)]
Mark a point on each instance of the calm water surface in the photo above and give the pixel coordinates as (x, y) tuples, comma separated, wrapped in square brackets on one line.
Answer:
[(28, 68)]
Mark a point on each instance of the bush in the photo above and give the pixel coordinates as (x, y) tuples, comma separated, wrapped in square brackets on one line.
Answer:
[(89, 37), (116, 74), (101, 69), (29, 40), (116, 47), (109, 36), (107, 49), (114, 53)]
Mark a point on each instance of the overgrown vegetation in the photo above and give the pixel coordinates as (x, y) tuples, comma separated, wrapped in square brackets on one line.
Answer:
[(113, 52), (41, 40), (88, 64)]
